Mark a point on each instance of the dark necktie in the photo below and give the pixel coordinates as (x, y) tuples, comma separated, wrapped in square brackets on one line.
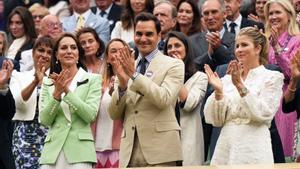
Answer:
[(232, 26), (161, 45), (143, 62), (102, 13)]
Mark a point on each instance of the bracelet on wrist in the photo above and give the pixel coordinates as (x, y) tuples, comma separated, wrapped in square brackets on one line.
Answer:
[(291, 90)]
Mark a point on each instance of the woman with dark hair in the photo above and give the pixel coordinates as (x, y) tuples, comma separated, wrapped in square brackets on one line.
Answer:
[(21, 27), (190, 99), (124, 28), (188, 17), (70, 99), (258, 14), (29, 134), (93, 48)]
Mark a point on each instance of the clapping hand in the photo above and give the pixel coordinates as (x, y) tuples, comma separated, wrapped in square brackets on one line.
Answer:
[(214, 80), (214, 41), (127, 61), (274, 37), (61, 83), (5, 72), (39, 72), (295, 66), (253, 17), (235, 70)]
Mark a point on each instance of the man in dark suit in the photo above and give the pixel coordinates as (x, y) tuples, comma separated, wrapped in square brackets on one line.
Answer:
[(7, 111), (212, 133), (109, 10), (234, 20), (214, 47)]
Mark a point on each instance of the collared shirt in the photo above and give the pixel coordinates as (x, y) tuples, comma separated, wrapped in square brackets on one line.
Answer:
[(85, 15), (148, 58), (238, 23), (107, 11), (221, 32)]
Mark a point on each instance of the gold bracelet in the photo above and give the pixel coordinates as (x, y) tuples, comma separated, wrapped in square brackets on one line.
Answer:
[(292, 90)]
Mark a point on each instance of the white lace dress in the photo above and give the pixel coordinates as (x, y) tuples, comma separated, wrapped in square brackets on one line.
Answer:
[(245, 137)]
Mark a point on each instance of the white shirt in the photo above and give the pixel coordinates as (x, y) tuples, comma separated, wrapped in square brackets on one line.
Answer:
[(15, 47), (238, 23), (107, 11), (85, 15)]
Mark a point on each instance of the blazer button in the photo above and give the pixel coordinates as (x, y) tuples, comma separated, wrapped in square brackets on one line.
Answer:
[(132, 127), (136, 112), (69, 124)]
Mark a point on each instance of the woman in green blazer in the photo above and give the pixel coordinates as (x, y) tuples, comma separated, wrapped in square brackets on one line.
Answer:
[(69, 103)]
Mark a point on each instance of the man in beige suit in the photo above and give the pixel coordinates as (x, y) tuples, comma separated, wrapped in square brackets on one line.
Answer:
[(145, 98)]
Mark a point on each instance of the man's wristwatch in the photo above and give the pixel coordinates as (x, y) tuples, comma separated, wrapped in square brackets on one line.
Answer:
[(135, 74)]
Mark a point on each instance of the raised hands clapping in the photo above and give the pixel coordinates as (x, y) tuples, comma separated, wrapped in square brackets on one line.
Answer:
[(295, 66), (5, 72), (61, 83), (215, 81)]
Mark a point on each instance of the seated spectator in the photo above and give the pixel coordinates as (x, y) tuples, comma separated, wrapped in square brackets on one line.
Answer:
[(124, 28), (188, 17), (38, 12), (21, 28), (93, 48), (83, 17), (51, 26)]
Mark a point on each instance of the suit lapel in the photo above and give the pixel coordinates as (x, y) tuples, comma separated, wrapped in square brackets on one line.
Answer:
[(204, 44), (152, 69)]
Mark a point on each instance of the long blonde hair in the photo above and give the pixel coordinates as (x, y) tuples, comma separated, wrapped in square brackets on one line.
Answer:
[(293, 28)]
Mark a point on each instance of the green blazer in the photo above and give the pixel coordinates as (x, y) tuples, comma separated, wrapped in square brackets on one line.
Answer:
[(70, 119)]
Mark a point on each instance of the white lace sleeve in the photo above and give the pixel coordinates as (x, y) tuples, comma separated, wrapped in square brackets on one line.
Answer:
[(263, 107), (215, 110)]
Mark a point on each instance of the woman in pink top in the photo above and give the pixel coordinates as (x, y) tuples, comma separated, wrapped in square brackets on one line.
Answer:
[(283, 33)]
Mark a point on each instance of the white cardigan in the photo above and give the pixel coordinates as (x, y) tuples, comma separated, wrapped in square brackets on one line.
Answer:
[(25, 110), (190, 121)]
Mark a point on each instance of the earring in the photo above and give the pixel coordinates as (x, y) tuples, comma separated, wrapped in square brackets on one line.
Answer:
[(56, 62)]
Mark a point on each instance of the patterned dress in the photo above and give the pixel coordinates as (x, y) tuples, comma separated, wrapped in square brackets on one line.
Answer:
[(28, 141)]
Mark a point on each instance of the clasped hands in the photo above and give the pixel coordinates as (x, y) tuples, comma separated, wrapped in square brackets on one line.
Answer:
[(234, 69), (123, 66), (61, 83)]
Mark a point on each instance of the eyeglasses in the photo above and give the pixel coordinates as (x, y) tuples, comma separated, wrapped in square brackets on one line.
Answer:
[(38, 16), (54, 24)]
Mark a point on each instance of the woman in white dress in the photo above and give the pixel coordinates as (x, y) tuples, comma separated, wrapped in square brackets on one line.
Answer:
[(244, 103)]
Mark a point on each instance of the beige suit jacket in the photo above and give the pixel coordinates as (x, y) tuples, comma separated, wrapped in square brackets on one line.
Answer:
[(148, 107)]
